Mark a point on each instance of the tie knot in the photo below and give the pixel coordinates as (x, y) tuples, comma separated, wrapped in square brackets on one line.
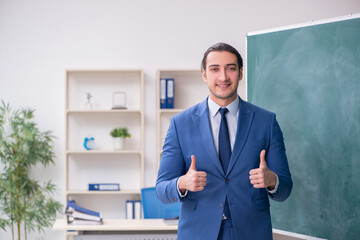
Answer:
[(223, 111)]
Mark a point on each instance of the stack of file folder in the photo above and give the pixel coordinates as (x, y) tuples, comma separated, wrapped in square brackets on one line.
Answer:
[(76, 215)]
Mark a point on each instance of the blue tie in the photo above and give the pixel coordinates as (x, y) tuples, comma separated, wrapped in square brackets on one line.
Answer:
[(224, 141), (224, 152)]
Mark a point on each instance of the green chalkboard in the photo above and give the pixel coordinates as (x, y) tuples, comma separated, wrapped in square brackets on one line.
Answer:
[(310, 77)]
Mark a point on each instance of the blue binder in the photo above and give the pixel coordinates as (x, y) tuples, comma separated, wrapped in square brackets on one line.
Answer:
[(71, 203), (170, 92), (104, 187), (129, 209), (162, 93)]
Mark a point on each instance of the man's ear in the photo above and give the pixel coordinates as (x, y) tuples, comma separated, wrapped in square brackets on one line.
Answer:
[(240, 73), (203, 73)]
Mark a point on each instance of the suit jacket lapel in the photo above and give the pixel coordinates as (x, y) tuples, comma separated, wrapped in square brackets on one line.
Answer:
[(244, 124), (202, 124)]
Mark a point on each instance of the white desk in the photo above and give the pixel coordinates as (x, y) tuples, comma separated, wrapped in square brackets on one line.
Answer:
[(119, 225), (118, 229)]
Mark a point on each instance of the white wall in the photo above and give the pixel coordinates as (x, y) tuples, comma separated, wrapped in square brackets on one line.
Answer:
[(39, 39)]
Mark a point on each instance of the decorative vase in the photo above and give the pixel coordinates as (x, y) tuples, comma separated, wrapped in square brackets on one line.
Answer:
[(119, 143)]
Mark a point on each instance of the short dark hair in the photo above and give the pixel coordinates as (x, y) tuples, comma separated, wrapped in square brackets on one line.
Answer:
[(219, 47)]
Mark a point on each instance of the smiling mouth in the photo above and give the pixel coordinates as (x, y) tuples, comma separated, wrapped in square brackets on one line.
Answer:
[(223, 85)]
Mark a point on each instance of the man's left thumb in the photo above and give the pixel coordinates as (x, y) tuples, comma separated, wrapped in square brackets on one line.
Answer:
[(262, 159)]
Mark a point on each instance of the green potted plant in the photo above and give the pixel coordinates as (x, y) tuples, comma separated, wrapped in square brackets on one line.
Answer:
[(119, 135), (24, 202)]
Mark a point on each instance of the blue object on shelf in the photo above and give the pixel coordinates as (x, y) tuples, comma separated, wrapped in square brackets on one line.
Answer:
[(89, 143), (154, 208)]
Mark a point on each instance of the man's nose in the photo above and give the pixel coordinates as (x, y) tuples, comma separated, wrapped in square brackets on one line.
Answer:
[(223, 75)]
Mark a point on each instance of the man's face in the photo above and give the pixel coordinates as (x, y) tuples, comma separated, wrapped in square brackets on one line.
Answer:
[(222, 76)]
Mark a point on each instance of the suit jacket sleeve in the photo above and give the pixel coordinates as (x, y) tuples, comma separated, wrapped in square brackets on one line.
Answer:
[(277, 162), (172, 166)]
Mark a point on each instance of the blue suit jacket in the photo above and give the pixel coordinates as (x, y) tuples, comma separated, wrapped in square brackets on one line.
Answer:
[(201, 212)]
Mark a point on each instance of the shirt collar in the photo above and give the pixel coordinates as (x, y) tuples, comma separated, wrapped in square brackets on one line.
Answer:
[(214, 107)]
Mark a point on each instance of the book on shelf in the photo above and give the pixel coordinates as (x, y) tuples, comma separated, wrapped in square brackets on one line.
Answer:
[(167, 93), (170, 92), (129, 209), (162, 93), (72, 205), (133, 209), (137, 209), (80, 215), (104, 187), (76, 221), (77, 215)]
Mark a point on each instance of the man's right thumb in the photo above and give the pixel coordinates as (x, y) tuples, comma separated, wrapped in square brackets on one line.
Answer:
[(193, 163)]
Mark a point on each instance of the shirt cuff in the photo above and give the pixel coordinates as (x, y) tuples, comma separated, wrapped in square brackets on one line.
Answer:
[(276, 186), (177, 186)]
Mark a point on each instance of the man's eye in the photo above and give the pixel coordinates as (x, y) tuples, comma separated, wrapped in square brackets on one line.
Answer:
[(214, 69), (232, 68)]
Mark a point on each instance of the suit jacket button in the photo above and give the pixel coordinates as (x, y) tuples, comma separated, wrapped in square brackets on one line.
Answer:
[(174, 199), (221, 205), (227, 180)]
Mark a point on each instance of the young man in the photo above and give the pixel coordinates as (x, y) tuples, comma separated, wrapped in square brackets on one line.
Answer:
[(223, 158)]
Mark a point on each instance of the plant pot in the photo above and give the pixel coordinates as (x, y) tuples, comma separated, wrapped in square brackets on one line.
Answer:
[(119, 143)]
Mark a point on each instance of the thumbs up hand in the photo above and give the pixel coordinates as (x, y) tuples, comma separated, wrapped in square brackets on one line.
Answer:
[(193, 180), (263, 177)]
